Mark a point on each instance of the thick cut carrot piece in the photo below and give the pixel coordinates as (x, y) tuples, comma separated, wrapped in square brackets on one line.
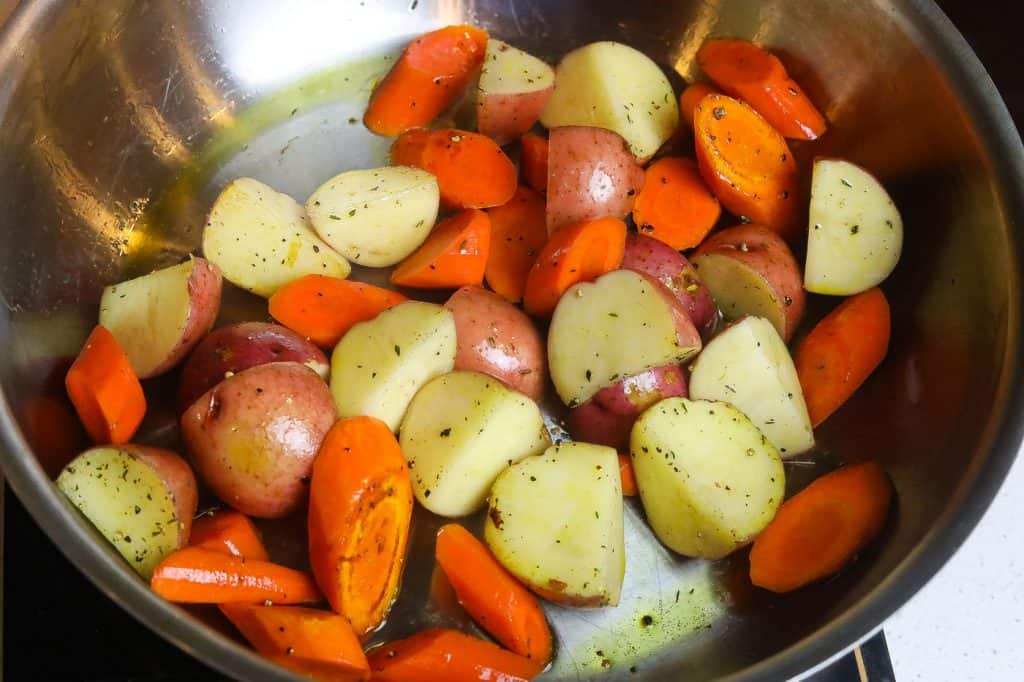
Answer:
[(53, 430), (472, 171), (303, 639), (691, 97), (675, 206), (324, 308), (105, 391), (577, 253), (751, 73), (518, 232), (821, 528), (454, 255), (448, 655), (428, 77), (627, 476), (360, 508), (227, 530), (842, 351), (533, 161), (747, 164), (202, 576), (497, 601)]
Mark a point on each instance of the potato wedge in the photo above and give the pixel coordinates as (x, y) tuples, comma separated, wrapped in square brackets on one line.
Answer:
[(614, 86), (555, 522), (375, 217), (855, 235), (514, 88), (749, 366), (260, 239), (141, 500), (380, 364), (709, 480), (615, 327), (461, 430)]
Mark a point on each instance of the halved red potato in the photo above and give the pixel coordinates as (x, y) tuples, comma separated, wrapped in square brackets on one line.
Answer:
[(750, 270), (591, 174), (159, 317), (237, 347), (497, 338), (514, 89)]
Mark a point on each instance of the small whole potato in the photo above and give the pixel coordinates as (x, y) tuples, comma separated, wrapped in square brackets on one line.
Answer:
[(497, 338), (253, 436)]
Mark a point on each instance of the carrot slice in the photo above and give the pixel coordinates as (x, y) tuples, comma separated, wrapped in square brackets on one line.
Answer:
[(104, 390), (448, 655), (302, 639), (674, 205), (842, 351), (428, 77), (195, 575), (518, 231), (360, 508), (227, 530), (691, 97), (821, 528), (627, 475), (454, 255), (534, 161), (497, 601), (746, 163), (576, 253), (751, 73), (53, 430), (471, 169), (324, 308)]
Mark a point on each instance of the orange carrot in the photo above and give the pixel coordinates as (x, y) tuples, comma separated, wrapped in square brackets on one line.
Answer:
[(202, 576), (576, 253), (53, 431), (489, 593), (627, 475), (302, 639), (324, 308), (226, 530), (360, 508), (842, 351), (105, 391), (454, 255), (428, 77), (674, 205), (691, 97), (448, 655), (821, 528), (471, 169), (518, 231), (747, 164), (534, 161), (748, 72)]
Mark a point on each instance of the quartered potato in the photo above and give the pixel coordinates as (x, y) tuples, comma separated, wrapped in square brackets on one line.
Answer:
[(514, 87), (375, 217), (555, 522)]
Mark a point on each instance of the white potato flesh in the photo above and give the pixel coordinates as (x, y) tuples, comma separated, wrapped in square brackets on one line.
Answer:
[(127, 502), (555, 522), (708, 479), (611, 85), (739, 289), (462, 430), (749, 366), (510, 71), (380, 364), (855, 235), (375, 217), (261, 240), (614, 327)]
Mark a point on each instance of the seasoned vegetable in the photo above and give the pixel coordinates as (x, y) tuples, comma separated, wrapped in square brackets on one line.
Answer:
[(226, 530), (518, 232), (104, 390), (454, 255), (514, 88), (533, 162), (448, 655), (675, 206), (690, 98)]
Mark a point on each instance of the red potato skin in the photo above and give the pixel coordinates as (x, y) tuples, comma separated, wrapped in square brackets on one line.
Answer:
[(591, 174), (653, 257), (497, 338), (505, 117), (204, 290), (253, 436), (238, 347), (765, 252), (608, 417), (177, 475)]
